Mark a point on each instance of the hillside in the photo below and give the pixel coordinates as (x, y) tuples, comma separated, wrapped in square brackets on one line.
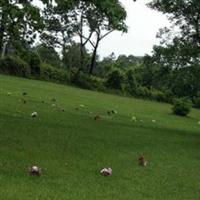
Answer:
[(71, 147)]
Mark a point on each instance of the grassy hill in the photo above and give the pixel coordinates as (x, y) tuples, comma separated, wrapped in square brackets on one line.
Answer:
[(71, 147)]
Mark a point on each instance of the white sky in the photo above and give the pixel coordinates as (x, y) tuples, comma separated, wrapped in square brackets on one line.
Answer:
[(143, 24)]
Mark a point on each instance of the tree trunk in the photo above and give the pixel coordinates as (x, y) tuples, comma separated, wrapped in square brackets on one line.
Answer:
[(94, 54), (93, 60), (81, 57), (81, 47), (2, 30), (197, 29)]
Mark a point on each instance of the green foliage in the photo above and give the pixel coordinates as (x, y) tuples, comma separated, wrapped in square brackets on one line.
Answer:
[(131, 84), (91, 21), (183, 14), (175, 65), (51, 73), (19, 21), (169, 95), (172, 71), (14, 65), (115, 79), (89, 82), (186, 81), (34, 62), (104, 66), (48, 55), (161, 96), (31, 56), (124, 62), (196, 102), (151, 94), (71, 58), (180, 49), (181, 107)]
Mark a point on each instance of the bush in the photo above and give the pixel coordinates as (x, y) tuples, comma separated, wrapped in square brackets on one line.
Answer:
[(89, 82), (181, 107), (143, 92), (115, 79), (34, 62), (169, 96), (151, 94), (13, 65), (32, 58), (131, 85), (196, 102), (51, 73), (158, 96), (162, 96)]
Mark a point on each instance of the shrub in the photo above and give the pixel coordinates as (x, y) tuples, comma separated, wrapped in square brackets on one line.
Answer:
[(32, 58), (89, 82), (131, 85), (162, 96), (158, 95), (196, 102), (34, 62), (181, 107), (143, 92), (13, 65), (169, 96), (51, 73), (115, 79)]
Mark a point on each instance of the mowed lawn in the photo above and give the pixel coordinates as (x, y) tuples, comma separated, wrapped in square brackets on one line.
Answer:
[(71, 147)]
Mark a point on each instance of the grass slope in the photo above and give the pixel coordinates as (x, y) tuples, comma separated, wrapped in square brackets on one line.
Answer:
[(71, 147)]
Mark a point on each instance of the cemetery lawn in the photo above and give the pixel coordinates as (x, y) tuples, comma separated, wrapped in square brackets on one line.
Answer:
[(71, 147)]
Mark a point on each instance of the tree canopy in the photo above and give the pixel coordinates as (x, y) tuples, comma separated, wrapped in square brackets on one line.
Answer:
[(19, 21)]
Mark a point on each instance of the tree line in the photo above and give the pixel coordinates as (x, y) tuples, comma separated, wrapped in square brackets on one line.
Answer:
[(58, 23), (30, 37)]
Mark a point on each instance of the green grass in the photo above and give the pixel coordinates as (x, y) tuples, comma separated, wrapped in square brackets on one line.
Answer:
[(71, 147)]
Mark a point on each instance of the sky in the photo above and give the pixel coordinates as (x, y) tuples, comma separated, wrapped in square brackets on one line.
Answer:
[(143, 24)]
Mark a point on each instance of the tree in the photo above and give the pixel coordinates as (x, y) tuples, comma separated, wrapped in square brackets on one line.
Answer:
[(64, 20), (115, 79), (183, 14), (174, 63), (58, 26), (124, 62), (19, 21), (48, 55), (131, 83), (104, 23), (71, 58), (90, 20), (182, 39), (105, 65), (186, 82)]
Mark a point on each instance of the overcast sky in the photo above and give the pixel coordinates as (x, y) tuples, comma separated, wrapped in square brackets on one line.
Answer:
[(143, 24)]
